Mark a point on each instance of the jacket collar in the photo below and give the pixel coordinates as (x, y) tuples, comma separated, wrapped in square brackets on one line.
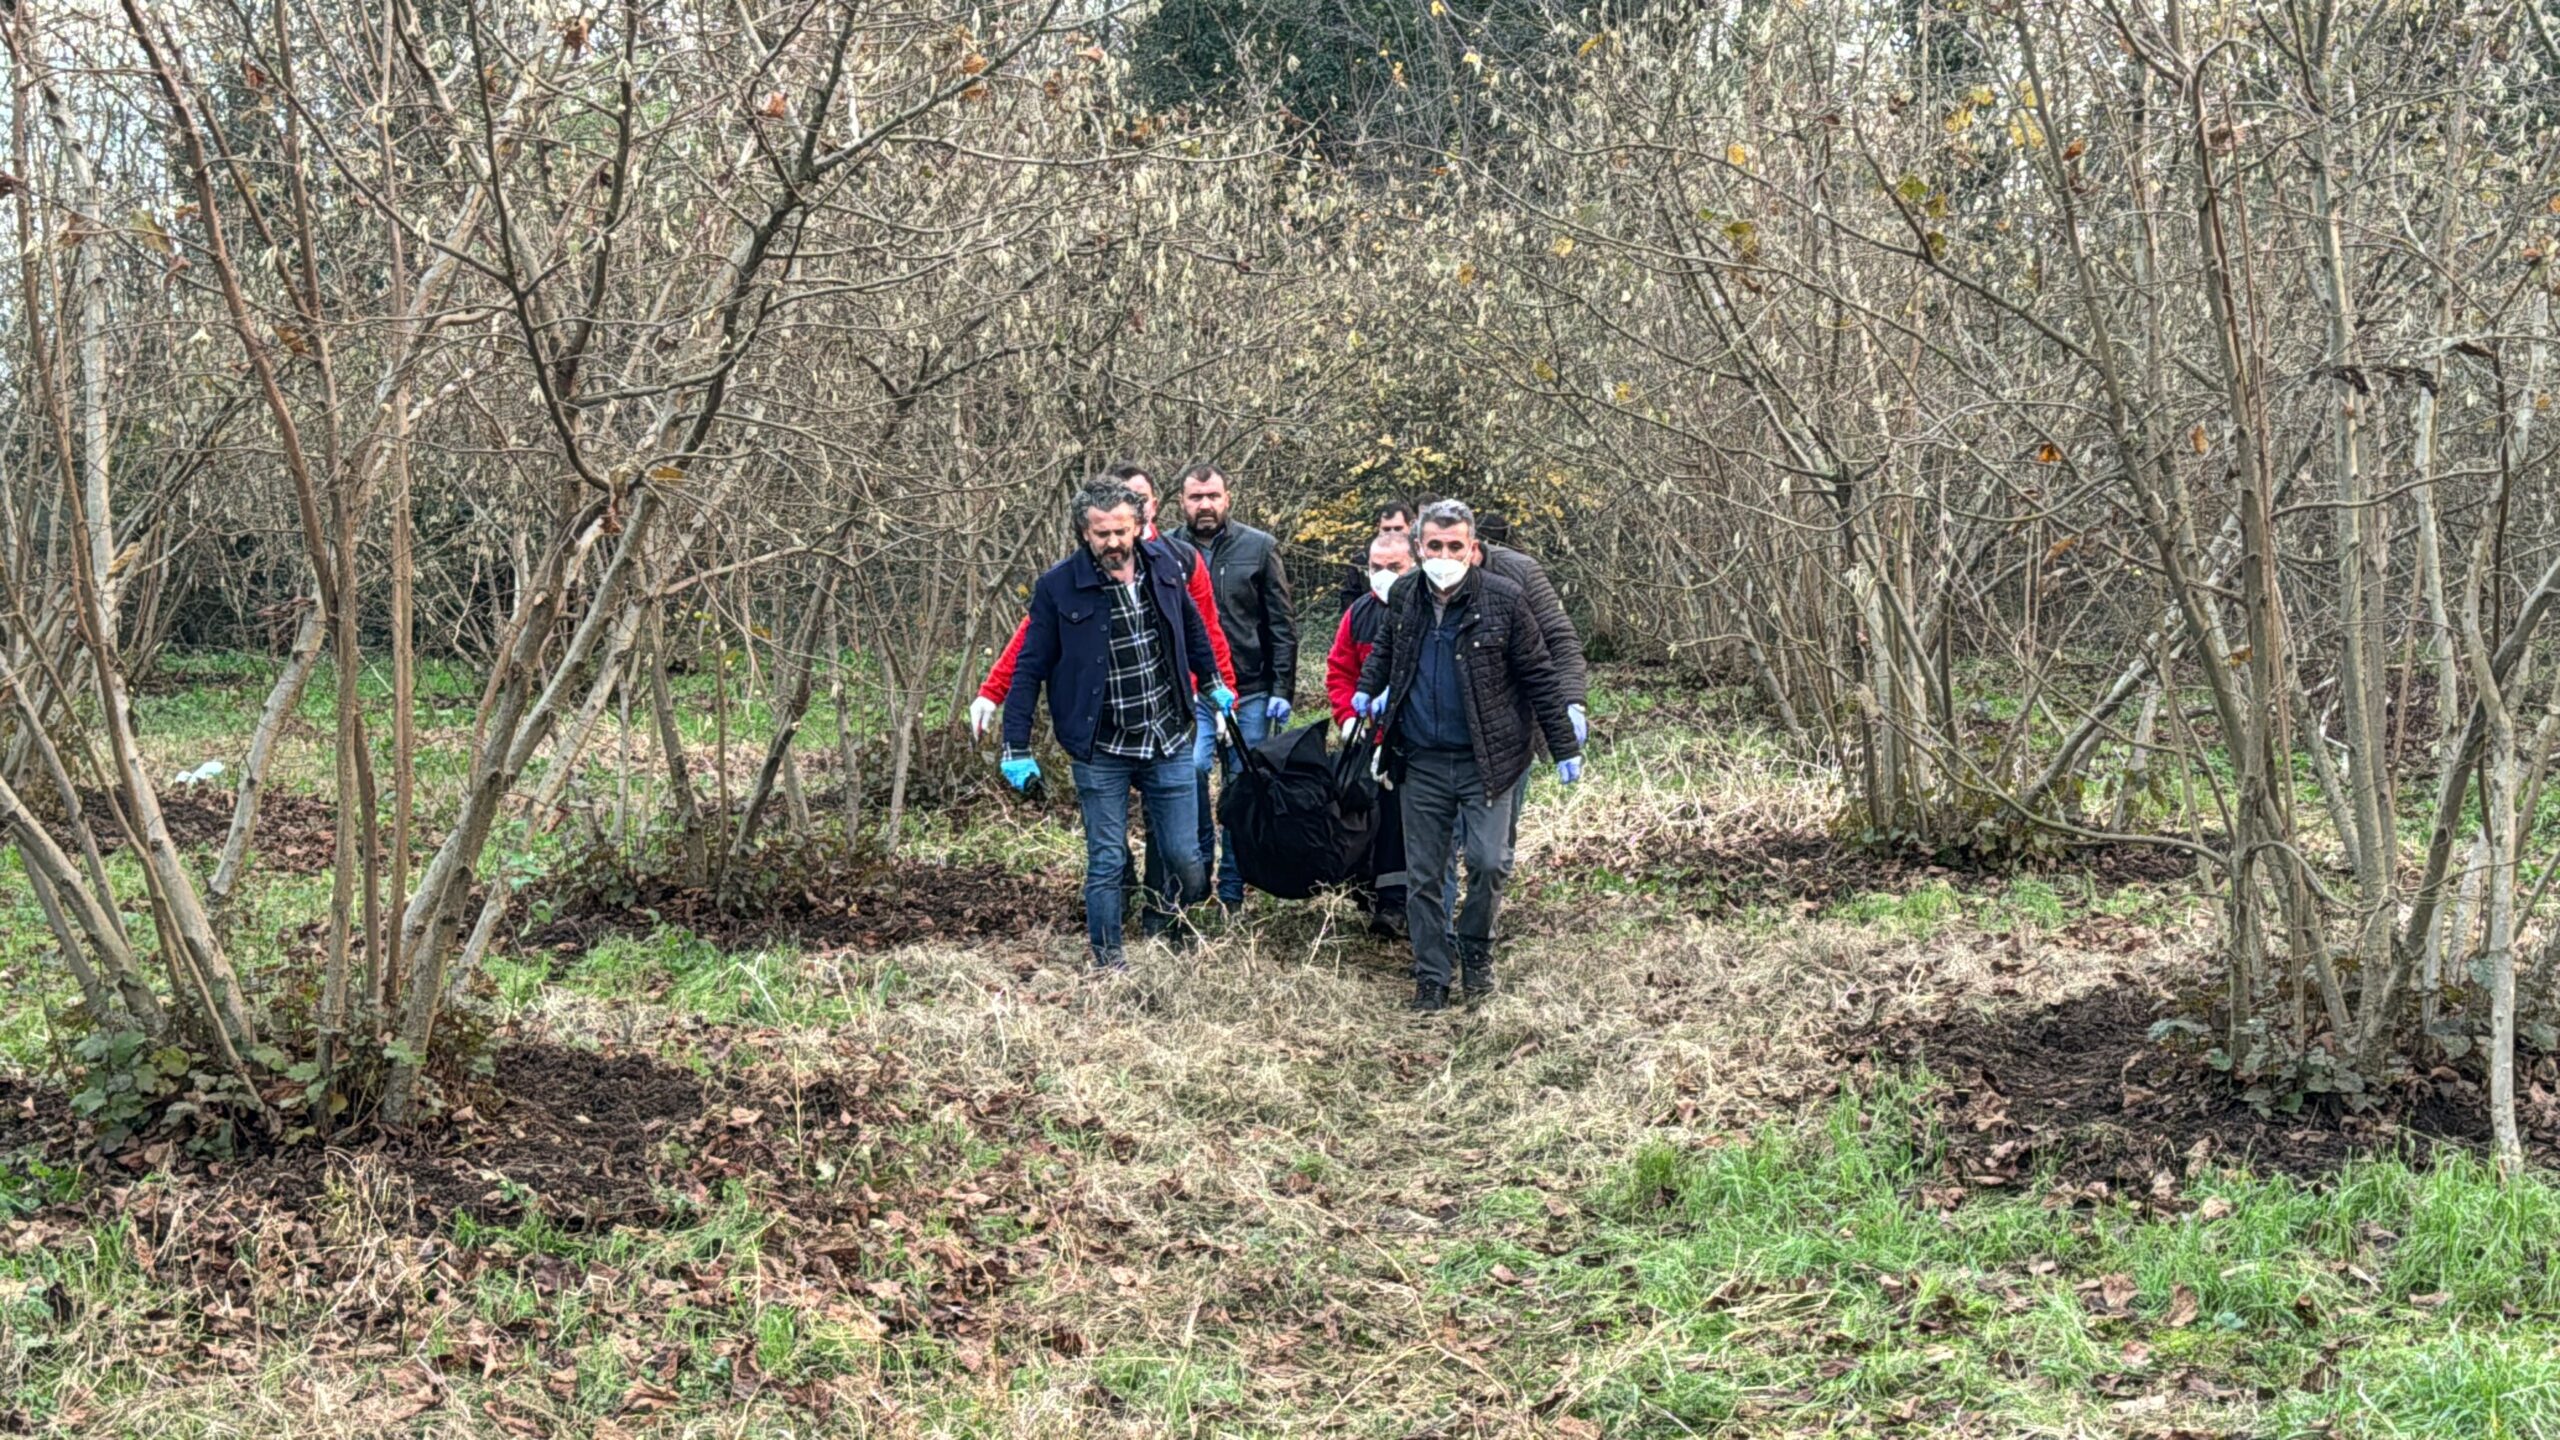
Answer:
[(1087, 575)]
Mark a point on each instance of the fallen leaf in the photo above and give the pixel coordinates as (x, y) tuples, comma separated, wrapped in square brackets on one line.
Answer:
[(2109, 1294), (2182, 1308), (2214, 1208), (645, 1398)]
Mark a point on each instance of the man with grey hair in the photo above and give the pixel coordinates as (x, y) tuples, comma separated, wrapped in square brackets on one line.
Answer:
[(1462, 683), (1116, 639)]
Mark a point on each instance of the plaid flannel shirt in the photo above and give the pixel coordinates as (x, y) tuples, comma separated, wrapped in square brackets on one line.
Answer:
[(1146, 709), (1144, 714)]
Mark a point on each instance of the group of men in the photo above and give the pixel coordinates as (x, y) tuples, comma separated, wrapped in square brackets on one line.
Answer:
[(1453, 647)]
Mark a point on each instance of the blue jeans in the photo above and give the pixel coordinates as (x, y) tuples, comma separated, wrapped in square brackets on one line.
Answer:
[(1102, 790), (1252, 724)]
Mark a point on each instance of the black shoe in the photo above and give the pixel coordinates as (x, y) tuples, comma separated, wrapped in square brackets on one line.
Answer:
[(1429, 999), (1477, 976), (1389, 925)]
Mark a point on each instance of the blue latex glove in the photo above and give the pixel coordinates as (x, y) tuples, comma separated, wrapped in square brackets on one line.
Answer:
[(1368, 706), (1276, 710), (1019, 770), (1581, 719), (1223, 698), (1569, 771)]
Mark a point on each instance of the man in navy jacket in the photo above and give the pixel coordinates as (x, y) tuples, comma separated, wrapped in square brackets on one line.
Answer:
[(1115, 639)]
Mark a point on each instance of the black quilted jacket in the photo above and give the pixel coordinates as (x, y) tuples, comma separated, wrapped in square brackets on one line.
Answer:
[(1514, 691)]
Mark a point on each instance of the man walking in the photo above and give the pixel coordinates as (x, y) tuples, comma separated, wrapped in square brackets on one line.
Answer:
[(1113, 636), (1390, 560), (1262, 636), (1462, 683), (1195, 573)]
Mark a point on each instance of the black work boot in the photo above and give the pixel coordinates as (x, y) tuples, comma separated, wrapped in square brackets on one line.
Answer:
[(1476, 975), (1429, 997)]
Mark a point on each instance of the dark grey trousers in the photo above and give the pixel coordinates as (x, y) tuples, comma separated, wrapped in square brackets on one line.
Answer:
[(1443, 800)]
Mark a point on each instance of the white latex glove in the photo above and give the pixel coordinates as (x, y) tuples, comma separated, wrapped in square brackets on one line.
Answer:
[(982, 713)]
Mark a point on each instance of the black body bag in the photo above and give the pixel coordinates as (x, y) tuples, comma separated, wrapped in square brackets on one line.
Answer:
[(1302, 818)]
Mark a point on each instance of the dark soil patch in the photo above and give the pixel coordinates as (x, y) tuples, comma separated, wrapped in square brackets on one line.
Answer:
[(2082, 1088), (856, 902), (32, 1115), (1725, 875), (577, 1135), (910, 1206), (297, 834)]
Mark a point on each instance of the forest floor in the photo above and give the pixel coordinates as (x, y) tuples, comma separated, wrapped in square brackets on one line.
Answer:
[(1764, 1137)]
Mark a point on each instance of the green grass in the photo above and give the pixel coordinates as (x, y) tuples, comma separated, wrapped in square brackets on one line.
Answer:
[(2033, 903), (1171, 1390), (2492, 1380), (1802, 1263), (675, 967), (1922, 912)]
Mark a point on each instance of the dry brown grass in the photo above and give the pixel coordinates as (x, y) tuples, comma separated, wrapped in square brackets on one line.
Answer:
[(1283, 1152)]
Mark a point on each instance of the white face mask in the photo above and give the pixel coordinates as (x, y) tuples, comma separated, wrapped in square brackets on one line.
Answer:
[(1382, 581), (1444, 572)]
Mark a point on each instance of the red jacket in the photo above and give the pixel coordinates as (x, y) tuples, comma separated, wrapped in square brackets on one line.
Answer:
[(1352, 642), (1000, 679)]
